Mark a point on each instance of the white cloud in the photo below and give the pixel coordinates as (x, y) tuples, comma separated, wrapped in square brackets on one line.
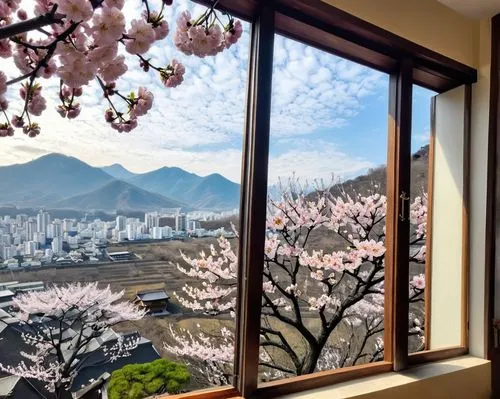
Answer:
[(315, 159)]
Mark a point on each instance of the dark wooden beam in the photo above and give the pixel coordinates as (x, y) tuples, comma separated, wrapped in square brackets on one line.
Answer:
[(492, 200), (397, 219), (253, 206)]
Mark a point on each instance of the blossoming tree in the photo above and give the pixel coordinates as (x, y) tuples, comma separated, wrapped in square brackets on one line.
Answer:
[(81, 41), (323, 290), (61, 323)]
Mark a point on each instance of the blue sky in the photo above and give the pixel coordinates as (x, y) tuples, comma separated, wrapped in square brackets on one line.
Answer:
[(329, 115)]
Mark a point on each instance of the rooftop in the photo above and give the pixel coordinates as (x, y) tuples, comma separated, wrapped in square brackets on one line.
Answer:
[(6, 293), (156, 295)]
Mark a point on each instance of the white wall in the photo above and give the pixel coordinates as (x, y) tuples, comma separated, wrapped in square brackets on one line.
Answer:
[(447, 212)]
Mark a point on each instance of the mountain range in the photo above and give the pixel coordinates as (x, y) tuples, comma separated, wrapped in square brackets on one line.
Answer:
[(61, 182)]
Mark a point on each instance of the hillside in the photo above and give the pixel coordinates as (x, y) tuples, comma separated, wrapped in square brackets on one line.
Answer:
[(378, 176), (48, 179), (118, 195)]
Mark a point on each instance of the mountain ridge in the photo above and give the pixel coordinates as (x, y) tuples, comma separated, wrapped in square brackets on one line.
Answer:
[(54, 179)]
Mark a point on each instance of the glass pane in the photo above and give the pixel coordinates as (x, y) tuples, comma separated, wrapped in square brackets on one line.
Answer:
[(323, 301), (148, 213), (420, 139)]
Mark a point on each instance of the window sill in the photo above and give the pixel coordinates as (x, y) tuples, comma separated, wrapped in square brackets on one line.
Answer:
[(462, 377)]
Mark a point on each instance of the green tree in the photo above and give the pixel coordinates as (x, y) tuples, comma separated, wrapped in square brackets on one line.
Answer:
[(138, 381)]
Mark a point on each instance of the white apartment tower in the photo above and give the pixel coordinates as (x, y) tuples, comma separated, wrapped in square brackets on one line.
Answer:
[(121, 223), (31, 227), (54, 230), (180, 222), (42, 222), (57, 245), (30, 247), (131, 232)]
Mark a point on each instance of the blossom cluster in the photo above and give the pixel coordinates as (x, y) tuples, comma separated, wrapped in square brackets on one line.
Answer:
[(418, 216), (87, 42), (89, 300), (205, 36)]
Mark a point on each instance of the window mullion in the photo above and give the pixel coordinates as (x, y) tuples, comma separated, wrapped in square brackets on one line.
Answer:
[(397, 227), (254, 201)]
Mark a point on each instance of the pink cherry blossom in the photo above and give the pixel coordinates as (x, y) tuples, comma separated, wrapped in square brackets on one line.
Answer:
[(6, 130), (418, 281), (37, 105), (78, 72), (17, 121), (124, 126), (22, 15), (74, 111), (42, 7), (233, 34), (142, 36), (31, 130), (76, 10), (115, 3), (144, 102), (102, 55), (161, 31), (173, 76), (114, 69), (5, 49), (108, 25)]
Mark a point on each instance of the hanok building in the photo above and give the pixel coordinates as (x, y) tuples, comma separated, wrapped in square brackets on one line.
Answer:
[(155, 302), (121, 256)]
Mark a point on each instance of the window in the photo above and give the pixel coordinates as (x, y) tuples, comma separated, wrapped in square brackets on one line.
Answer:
[(323, 297), (285, 258)]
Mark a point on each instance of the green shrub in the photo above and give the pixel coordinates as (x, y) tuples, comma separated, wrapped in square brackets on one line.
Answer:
[(138, 381)]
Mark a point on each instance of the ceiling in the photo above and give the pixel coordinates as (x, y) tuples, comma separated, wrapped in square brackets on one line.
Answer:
[(474, 8)]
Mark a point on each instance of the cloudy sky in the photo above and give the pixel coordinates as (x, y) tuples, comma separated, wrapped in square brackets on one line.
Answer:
[(329, 115)]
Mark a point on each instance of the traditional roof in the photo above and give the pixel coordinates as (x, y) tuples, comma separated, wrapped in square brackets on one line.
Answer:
[(6, 294), (156, 295)]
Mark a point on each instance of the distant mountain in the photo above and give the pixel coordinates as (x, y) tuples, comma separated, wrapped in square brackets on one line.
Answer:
[(209, 192), (48, 179), (56, 180), (118, 195), (214, 191), (118, 172)]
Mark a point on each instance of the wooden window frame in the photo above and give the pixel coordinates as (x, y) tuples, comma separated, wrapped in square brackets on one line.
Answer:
[(320, 25), (492, 197)]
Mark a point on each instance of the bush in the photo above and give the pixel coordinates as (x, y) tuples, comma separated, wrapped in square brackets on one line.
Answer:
[(138, 381)]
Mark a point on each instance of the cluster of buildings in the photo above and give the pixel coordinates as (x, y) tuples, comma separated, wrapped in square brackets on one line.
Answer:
[(33, 241)]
